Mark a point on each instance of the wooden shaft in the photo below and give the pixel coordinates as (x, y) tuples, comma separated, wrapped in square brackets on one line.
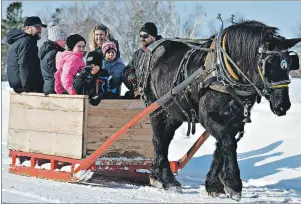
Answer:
[(185, 159)]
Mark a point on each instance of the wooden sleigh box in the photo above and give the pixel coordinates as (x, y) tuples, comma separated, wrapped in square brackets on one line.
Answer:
[(68, 126)]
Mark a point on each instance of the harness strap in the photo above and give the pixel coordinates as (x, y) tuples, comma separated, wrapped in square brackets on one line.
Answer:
[(230, 70)]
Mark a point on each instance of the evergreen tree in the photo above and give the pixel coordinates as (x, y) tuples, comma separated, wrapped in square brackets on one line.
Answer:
[(13, 19)]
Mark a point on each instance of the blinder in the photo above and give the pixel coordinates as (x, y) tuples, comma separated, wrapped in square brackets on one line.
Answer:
[(294, 62), (286, 64)]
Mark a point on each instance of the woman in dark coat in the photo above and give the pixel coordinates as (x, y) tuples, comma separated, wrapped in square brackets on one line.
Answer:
[(55, 43)]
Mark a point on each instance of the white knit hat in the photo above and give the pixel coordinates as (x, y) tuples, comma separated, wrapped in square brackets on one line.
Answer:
[(56, 33)]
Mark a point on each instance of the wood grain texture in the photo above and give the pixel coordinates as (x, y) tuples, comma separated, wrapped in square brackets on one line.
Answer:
[(69, 104), (54, 121), (45, 143), (51, 125), (107, 118)]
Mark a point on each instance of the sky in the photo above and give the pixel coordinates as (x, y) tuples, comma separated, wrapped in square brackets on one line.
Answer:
[(285, 15)]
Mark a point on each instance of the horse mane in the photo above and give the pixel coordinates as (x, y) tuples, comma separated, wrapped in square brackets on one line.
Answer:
[(243, 40)]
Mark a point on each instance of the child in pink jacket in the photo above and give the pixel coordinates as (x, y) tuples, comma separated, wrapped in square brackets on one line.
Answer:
[(68, 64)]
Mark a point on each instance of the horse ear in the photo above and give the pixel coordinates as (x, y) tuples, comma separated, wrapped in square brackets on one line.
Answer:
[(288, 43)]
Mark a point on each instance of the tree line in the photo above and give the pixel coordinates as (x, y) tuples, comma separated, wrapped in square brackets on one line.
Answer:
[(124, 19)]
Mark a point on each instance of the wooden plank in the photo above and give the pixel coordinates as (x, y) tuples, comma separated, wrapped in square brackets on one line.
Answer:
[(70, 104), (107, 118), (113, 112), (117, 104), (112, 122), (136, 142), (50, 95), (124, 148), (102, 134), (53, 121), (45, 143), (84, 133)]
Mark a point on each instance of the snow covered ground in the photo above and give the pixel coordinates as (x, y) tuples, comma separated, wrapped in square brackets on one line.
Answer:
[(269, 159)]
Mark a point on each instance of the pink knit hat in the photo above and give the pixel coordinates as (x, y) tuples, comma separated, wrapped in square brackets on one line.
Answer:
[(107, 46)]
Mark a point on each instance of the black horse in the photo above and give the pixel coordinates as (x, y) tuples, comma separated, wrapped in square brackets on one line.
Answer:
[(257, 64)]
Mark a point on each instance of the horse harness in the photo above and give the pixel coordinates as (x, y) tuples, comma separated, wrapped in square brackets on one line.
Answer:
[(218, 75)]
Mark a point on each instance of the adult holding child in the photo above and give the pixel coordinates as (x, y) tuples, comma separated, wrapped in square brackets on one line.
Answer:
[(95, 81)]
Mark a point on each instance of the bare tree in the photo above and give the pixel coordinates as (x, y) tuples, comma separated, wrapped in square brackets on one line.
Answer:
[(129, 16), (124, 19)]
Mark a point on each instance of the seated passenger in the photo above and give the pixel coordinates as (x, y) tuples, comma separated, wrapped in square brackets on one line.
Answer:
[(94, 81), (98, 36), (56, 42), (68, 64), (113, 65)]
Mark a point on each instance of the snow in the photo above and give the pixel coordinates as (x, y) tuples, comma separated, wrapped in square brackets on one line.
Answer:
[(269, 158)]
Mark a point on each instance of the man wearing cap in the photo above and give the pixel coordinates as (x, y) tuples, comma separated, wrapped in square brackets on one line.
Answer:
[(56, 42), (23, 64), (148, 35)]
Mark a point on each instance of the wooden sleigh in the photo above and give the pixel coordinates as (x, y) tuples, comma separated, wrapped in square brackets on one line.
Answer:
[(64, 138)]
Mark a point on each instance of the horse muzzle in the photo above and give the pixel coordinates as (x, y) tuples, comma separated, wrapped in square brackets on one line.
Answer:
[(280, 102)]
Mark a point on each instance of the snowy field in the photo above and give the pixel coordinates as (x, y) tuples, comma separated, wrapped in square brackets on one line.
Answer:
[(269, 158)]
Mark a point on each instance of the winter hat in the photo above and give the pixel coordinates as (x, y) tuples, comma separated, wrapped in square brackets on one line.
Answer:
[(107, 46), (150, 28), (34, 21), (73, 39), (56, 33), (94, 58)]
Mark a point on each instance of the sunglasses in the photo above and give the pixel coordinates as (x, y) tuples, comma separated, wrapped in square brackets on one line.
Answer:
[(144, 36)]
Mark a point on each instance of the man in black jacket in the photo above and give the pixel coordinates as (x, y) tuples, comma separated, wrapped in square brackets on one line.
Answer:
[(148, 35), (23, 64)]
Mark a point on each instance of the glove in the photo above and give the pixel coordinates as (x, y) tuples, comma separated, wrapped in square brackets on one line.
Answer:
[(85, 72), (95, 100), (104, 73), (136, 93), (132, 94), (132, 78)]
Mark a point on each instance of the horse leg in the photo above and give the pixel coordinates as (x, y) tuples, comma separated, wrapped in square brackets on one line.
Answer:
[(223, 122), (163, 132), (214, 185), (230, 173)]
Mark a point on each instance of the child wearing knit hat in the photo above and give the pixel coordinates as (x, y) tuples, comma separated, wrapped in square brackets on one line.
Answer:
[(68, 64), (113, 64), (94, 81), (56, 42)]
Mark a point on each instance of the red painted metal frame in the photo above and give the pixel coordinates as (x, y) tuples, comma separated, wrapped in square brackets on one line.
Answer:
[(42, 173), (105, 167)]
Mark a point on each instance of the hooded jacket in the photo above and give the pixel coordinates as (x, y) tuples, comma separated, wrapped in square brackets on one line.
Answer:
[(23, 64), (68, 64), (47, 55), (115, 69)]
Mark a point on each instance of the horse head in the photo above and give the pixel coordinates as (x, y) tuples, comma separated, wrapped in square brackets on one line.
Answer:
[(263, 56)]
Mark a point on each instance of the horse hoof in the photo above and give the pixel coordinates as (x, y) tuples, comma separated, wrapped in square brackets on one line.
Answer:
[(155, 183), (213, 194), (174, 189), (232, 194)]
